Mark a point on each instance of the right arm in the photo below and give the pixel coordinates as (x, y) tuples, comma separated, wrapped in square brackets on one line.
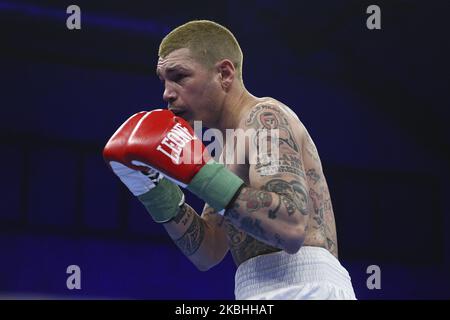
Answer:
[(202, 239)]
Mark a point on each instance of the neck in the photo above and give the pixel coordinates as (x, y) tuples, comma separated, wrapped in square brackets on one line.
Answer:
[(233, 107)]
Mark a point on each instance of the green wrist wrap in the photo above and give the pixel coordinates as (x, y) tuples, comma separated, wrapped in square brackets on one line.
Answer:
[(215, 184), (163, 201)]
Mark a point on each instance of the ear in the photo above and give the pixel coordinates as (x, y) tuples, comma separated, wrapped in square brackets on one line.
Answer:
[(226, 72)]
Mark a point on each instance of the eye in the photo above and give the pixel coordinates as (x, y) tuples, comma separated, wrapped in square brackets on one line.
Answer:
[(178, 77)]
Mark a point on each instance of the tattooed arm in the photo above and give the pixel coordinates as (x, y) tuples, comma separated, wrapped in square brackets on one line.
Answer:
[(201, 239), (274, 208)]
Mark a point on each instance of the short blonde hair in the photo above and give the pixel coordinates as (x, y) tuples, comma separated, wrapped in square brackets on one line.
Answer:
[(208, 41)]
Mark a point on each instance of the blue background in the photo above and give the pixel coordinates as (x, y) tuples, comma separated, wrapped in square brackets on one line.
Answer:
[(375, 102)]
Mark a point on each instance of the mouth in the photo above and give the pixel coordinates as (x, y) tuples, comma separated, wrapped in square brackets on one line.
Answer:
[(178, 112)]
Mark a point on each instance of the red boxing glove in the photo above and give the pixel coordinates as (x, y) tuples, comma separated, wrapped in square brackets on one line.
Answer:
[(160, 197), (160, 140)]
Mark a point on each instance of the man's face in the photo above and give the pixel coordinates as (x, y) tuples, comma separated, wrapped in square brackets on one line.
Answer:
[(190, 89)]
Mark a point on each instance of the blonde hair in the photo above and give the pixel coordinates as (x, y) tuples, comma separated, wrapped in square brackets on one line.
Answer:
[(208, 41)]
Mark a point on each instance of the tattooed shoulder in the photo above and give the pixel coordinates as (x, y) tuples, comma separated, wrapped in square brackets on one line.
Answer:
[(269, 118)]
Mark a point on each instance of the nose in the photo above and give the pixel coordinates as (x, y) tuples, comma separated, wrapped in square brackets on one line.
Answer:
[(169, 94)]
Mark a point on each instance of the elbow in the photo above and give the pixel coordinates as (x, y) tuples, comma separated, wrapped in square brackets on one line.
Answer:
[(293, 247), (295, 240), (203, 268), (205, 265)]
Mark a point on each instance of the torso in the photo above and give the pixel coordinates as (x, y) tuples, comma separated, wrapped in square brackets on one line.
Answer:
[(321, 230)]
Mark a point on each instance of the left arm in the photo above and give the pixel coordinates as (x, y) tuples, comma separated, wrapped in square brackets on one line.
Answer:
[(274, 208)]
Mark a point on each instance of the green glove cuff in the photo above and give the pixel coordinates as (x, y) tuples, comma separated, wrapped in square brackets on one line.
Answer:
[(163, 201), (215, 184)]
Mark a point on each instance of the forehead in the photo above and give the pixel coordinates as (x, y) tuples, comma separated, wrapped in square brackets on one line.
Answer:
[(177, 59)]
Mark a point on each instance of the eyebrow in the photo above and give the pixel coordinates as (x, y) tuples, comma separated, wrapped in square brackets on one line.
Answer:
[(175, 67)]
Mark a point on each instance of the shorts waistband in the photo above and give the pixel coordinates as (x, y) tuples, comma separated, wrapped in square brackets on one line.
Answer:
[(280, 269)]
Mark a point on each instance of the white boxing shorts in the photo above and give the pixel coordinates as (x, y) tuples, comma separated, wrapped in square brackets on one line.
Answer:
[(312, 273)]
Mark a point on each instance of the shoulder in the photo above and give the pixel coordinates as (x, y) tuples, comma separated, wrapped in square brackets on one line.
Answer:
[(269, 113)]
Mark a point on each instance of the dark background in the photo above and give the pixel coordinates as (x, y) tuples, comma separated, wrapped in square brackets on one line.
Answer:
[(374, 101)]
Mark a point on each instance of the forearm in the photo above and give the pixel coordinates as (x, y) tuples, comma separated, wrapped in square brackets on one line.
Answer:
[(278, 220), (194, 237)]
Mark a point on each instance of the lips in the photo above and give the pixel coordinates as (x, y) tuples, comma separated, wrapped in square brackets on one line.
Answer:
[(178, 112)]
